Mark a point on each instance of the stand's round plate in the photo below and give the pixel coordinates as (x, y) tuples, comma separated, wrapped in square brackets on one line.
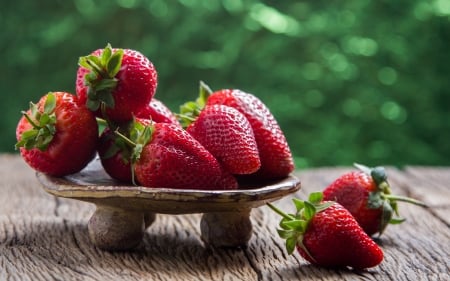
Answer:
[(92, 184), (124, 212)]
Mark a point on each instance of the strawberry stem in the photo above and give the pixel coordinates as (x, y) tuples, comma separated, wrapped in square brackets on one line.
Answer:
[(404, 199), (125, 138), (281, 213)]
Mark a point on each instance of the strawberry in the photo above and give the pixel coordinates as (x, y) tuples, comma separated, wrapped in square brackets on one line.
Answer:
[(115, 155), (56, 136), (366, 194), (227, 134), (165, 155), (274, 152), (326, 234), (158, 112), (223, 131), (115, 83)]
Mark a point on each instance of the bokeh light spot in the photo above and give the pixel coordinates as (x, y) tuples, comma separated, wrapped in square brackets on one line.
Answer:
[(85, 7), (128, 4), (233, 6), (273, 20), (314, 98), (311, 71), (378, 149), (352, 107), (393, 112), (423, 11), (387, 75), (360, 46), (338, 62), (209, 59), (442, 7)]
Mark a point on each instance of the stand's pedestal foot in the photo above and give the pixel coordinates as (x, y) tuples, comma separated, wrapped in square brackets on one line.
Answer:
[(117, 229), (226, 229)]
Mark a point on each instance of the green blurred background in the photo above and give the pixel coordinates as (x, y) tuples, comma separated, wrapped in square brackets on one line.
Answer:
[(354, 80)]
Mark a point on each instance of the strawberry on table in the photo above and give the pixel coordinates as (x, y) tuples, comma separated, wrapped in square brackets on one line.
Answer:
[(274, 152), (57, 136), (366, 193), (165, 155), (122, 81), (326, 234), (223, 131)]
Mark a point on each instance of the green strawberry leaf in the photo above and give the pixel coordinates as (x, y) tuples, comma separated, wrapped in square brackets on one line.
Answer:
[(396, 220), (106, 84), (43, 125), (296, 225), (374, 200), (106, 98), (92, 104), (285, 233), (50, 103), (114, 63), (190, 110), (299, 204), (309, 211), (106, 54), (322, 206), (291, 242), (315, 197)]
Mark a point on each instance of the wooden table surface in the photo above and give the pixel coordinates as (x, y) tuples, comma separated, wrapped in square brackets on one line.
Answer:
[(43, 237)]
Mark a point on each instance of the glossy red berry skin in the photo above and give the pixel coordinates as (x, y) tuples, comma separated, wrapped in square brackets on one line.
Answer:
[(334, 239), (352, 191)]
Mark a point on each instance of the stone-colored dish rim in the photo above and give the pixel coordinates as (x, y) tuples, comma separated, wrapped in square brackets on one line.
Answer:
[(92, 184)]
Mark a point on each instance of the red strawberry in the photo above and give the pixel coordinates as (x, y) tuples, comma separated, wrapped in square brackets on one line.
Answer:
[(57, 136), (223, 131), (366, 194), (115, 156), (165, 155), (158, 112), (122, 81), (326, 234), (274, 152)]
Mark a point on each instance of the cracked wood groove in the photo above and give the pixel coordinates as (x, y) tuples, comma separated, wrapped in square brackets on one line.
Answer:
[(45, 238)]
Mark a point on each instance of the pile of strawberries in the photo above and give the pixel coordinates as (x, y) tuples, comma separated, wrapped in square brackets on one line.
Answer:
[(219, 140)]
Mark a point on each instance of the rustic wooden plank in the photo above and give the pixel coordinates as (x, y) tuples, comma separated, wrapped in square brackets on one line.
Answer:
[(45, 238)]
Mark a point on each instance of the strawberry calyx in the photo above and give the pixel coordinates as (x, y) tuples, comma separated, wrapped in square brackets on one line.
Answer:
[(133, 141), (101, 81), (294, 226), (190, 110), (382, 198), (43, 125)]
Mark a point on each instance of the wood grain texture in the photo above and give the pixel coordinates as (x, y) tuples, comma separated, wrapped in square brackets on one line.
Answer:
[(45, 238)]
